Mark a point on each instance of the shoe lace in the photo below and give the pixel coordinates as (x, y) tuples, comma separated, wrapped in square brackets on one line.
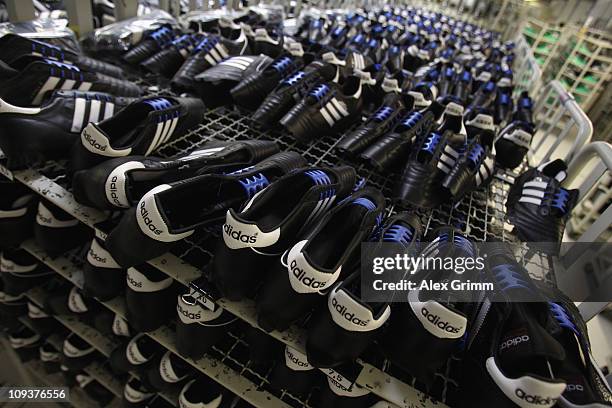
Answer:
[(562, 317), (254, 184), (398, 233)]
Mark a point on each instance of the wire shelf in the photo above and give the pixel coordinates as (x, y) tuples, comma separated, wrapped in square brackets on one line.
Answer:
[(479, 215)]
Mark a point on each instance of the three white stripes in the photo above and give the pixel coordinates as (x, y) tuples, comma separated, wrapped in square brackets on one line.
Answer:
[(320, 209), (533, 192), (359, 61), (217, 54), (52, 83), (241, 63), (95, 109), (447, 159), (333, 111), (162, 133)]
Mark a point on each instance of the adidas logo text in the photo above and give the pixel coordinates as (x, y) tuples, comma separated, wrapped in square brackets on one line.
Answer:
[(113, 191), (534, 399), (148, 221), (347, 315), (436, 321), (93, 142), (296, 360), (96, 257), (238, 236), (134, 282), (300, 274), (514, 342), (187, 314)]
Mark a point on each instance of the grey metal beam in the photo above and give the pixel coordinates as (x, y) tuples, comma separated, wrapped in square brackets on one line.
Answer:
[(79, 16), (125, 9), (20, 10)]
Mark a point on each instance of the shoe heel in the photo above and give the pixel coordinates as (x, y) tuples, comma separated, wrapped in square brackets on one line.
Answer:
[(346, 176), (261, 149), (385, 153), (286, 162)]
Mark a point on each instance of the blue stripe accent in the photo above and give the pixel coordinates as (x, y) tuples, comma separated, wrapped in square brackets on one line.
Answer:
[(282, 65), (432, 142), (366, 203), (205, 45), (476, 154), (253, 184), (321, 178), (319, 92), (490, 86), (560, 200), (449, 72), (383, 113), (62, 65), (525, 103), (47, 50), (162, 35), (504, 99), (159, 103), (412, 119), (295, 78), (508, 277), (562, 317), (399, 233)]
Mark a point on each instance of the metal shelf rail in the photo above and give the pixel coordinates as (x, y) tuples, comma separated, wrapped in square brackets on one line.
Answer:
[(562, 126), (220, 366)]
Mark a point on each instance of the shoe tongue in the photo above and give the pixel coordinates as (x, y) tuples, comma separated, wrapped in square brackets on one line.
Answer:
[(555, 169), (391, 85), (525, 342)]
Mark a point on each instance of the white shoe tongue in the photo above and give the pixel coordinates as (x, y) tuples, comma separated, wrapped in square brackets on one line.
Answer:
[(453, 109), (331, 58), (391, 85), (482, 121)]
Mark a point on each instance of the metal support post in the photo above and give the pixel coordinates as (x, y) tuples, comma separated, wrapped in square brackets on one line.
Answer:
[(79, 16), (125, 9), (19, 10)]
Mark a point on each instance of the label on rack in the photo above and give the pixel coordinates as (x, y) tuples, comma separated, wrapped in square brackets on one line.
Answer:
[(337, 378), (203, 293), (6, 172)]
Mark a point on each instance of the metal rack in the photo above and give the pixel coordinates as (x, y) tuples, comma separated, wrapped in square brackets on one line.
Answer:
[(222, 364), (480, 216)]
